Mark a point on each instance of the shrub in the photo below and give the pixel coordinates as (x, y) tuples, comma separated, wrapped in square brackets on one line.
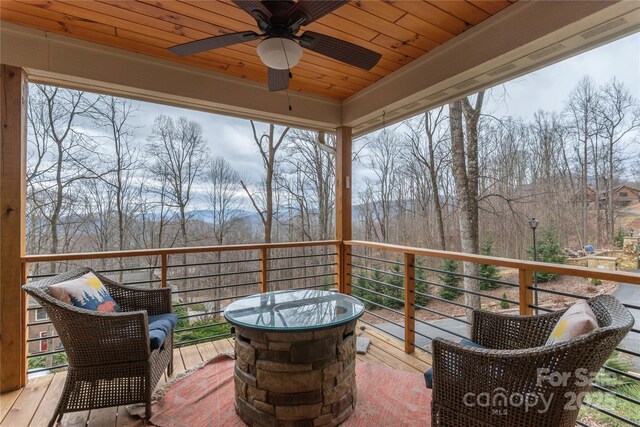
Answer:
[(548, 250), (622, 385), (486, 270), (421, 285), (42, 362), (396, 288), (504, 304), (450, 279), (180, 311), (363, 287), (215, 329), (618, 239), (596, 282)]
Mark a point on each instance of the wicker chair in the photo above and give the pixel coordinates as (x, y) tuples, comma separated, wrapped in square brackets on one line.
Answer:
[(472, 386), (110, 359)]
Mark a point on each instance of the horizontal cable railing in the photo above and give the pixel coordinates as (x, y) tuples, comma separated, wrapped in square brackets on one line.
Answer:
[(429, 294), (409, 293), (203, 282)]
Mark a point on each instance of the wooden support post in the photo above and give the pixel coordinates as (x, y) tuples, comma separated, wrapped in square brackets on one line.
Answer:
[(163, 270), (343, 206), (13, 302), (409, 301), (525, 292), (340, 267), (264, 271), (343, 268)]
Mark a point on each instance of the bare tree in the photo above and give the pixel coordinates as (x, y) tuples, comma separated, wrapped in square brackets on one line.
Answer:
[(268, 144), (310, 158), (431, 153), (582, 108), (619, 115), (466, 174), (222, 196), (99, 210), (385, 162), (222, 183), (176, 150), (60, 158), (114, 116)]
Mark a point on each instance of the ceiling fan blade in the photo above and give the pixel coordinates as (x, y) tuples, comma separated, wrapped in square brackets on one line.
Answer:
[(213, 43), (250, 6), (314, 9), (278, 79), (340, 50)]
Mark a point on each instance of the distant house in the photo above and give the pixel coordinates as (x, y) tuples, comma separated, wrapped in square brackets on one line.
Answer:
[(40, 329), (624, 195)]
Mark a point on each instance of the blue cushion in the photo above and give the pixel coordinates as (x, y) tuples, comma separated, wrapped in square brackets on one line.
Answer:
[(159, 327), (428, 376)]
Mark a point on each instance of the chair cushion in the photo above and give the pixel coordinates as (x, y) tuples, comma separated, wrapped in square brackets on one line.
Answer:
[(86, 291), (577, 320), (159, 327), (428, 376)]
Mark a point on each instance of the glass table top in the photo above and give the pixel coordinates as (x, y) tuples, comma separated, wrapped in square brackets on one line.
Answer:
[(294, 310)]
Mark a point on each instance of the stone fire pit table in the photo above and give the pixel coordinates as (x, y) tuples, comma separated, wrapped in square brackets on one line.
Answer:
[(295, 357)]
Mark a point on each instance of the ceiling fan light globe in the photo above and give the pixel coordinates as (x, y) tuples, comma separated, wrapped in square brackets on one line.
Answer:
[(279, 53)]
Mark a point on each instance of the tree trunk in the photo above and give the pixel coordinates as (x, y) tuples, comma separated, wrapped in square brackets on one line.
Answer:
[(435, 188), (466, 181)]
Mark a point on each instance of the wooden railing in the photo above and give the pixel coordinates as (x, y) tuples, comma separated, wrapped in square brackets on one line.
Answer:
[(164, 253), (525, 269), (343, 251), (255, 268), (404, 259), (347, 270)]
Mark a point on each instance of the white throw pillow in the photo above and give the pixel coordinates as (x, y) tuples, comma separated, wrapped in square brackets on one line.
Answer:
[(577, 320)]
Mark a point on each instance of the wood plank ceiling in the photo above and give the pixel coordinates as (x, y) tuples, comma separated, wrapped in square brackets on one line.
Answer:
[(400, 31)]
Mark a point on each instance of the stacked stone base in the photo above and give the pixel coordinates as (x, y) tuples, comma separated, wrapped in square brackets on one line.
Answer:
[(297, 379)]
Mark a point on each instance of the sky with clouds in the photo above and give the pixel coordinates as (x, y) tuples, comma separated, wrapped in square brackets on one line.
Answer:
[(544, 89)]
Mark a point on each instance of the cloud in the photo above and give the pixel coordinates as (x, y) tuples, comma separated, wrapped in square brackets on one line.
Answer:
[(547, 89)]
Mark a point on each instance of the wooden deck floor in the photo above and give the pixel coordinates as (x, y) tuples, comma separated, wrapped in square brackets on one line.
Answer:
[(34, 404)]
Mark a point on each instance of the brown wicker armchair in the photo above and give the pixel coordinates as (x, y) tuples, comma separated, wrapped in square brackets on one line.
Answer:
[(473, 386), (110, 359)]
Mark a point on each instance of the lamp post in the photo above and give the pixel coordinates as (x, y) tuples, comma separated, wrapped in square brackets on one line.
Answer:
[(533, 223)]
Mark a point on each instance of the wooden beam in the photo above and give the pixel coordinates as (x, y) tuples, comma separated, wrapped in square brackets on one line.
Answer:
[(343, 205), (13, 303)]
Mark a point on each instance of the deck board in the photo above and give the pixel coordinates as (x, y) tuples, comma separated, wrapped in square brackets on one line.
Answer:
[(7, 400), (26, 405), (48, 405), (34, 404)]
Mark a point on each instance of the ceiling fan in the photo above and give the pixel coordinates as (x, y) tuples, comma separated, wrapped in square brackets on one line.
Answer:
[(279, 22)]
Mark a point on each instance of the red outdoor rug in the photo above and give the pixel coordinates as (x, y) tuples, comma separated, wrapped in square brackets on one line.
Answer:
[(386, 397)]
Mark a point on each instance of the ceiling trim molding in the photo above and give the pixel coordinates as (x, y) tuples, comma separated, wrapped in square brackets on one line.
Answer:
[(505, 46), (524, 37), (68, 62)]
